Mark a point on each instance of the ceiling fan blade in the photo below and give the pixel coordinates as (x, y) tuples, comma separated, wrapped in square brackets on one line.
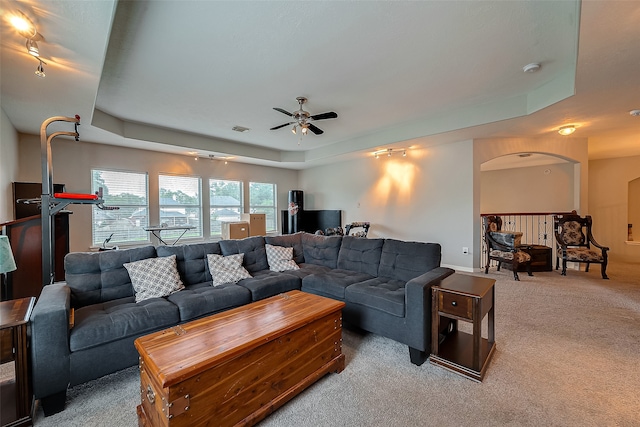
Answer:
[(329, 115), (283, 111), (315, 129), (281, 126)]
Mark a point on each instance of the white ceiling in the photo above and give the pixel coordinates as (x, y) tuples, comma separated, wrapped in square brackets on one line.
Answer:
[(176, 76)]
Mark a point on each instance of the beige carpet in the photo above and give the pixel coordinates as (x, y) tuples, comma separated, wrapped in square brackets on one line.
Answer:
[(567, 355)]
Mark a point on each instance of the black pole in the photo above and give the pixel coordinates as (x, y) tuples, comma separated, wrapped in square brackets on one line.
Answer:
[(295, 209)]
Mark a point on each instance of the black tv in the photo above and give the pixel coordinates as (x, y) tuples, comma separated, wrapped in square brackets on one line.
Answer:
[(313, 220)]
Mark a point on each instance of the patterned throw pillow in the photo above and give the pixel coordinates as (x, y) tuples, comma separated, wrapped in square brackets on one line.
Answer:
[(280, 258), (154, 277), (227, 269)]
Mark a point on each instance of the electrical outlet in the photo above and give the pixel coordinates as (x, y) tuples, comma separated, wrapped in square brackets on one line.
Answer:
[(465, 250)]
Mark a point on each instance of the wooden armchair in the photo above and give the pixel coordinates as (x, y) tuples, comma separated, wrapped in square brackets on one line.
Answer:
[(504, 246), (574, 242)]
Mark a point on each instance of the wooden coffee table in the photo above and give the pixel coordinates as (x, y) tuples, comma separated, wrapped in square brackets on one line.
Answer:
[(238, 366)]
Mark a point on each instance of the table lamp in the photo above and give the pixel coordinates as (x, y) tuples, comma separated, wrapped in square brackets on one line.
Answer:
[(7, 263)]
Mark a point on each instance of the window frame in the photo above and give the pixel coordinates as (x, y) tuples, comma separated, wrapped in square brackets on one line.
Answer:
[(197, 232), (213, 206), (116, 216), (273, 221)]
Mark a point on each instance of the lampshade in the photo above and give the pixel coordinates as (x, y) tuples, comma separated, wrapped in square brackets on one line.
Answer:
[(7, 263)]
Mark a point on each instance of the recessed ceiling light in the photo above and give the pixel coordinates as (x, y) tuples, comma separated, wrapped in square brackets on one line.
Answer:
[(524, 155), (635, 113), (531, 68), (240, 129), (567, 130)]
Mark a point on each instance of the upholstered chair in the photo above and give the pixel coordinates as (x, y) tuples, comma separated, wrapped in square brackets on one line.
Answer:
[(504, 246), (575, 243)]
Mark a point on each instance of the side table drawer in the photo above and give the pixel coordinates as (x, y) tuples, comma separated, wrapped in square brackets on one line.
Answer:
[(456, 305)]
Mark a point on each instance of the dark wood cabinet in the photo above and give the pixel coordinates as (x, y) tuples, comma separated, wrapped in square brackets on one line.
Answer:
[(16, 395), (25, 237)]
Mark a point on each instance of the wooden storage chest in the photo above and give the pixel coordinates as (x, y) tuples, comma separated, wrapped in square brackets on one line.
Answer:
[(236, 367)]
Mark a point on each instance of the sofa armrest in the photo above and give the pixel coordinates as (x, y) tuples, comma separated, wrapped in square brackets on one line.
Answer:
[(50, 340), (418, 305)]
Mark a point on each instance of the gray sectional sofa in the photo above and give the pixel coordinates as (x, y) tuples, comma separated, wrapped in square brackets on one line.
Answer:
[(385, 284)]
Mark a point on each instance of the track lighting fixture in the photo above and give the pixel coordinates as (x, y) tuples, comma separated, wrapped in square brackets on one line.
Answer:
[(390, 152), (23, 25), (40, 69), (32, 48)]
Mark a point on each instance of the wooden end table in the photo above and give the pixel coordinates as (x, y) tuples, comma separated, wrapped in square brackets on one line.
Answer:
[(17, 398), (463, 298)]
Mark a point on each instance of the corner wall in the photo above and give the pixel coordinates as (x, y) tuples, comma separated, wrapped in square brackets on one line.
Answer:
[(427, 196), (608, 205), (8, 166)]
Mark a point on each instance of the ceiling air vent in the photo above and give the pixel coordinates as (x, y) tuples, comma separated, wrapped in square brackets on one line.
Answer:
[(240, 129)]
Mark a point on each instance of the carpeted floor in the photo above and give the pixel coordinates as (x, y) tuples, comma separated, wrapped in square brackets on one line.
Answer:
[(567, 355)]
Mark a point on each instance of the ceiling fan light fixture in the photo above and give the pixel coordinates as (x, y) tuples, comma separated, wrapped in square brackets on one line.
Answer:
[(294, 130), (305, 129), (567, 130)]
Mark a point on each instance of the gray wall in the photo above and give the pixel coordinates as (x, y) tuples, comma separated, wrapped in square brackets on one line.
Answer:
[(8, 166), (417, 197), (433, 194), (609, 205), (547, 188), (73, 161)]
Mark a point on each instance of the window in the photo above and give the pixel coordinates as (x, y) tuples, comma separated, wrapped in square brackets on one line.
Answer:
[(180, 205), (262, 199), (225, 199), (129, 192)]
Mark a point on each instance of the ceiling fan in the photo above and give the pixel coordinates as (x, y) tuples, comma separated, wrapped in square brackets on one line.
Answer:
[(302, 119)]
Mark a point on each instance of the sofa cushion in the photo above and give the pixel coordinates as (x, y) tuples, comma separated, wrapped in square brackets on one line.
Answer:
[(360, 255), (306, 269), (96, 277), (255, 255), (321, 250), (268, 283), (333, 282), (114, 320), (381, 293), (280, 258), (203, 299), (154, 277), (226, 269), (405, 260), (192, 260), (289, 240)]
